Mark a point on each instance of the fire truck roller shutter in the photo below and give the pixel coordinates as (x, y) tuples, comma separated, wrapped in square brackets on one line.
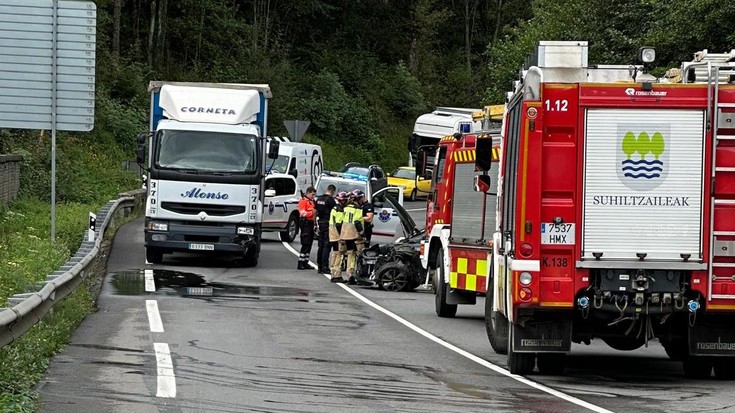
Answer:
[(643, 184), (467, 205)]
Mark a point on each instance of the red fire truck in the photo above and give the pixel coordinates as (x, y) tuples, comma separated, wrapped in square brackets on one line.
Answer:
[(616, 212)]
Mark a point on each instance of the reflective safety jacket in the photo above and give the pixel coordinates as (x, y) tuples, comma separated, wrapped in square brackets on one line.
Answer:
[(336, 216), (351, 223)]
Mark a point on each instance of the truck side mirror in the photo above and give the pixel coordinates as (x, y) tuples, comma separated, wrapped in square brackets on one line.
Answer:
[(482, 183), (140, 155), (483, 154), (421, 162), (294, 173), (273, 149)]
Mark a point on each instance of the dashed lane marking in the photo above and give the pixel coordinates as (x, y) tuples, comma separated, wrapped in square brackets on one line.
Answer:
[(154, 318), (166, 377), (150, 285)]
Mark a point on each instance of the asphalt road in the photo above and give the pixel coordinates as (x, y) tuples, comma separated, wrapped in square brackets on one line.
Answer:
[(213, 337)]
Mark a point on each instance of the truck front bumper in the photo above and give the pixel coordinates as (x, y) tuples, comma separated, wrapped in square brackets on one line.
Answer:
[(199, 237)]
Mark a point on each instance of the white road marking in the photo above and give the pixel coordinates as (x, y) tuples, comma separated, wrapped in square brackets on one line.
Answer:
[(466, 354), (166, 378), (416, 209), (150, 285), (154, 318)]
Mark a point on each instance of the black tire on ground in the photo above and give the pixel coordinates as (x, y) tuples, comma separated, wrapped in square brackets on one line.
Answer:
[(520, 363), (496, 325), (676, 349), (441, 289), (724, 368), (292, 229), (624, 343), (414, 193), (153, 255), (392, 276), (551, 363), (250, 258), (697, 367)]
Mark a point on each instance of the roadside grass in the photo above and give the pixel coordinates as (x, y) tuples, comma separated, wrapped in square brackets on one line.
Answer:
[(27, 255)]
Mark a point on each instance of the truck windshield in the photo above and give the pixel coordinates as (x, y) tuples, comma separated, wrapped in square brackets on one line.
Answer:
[(206, 151)]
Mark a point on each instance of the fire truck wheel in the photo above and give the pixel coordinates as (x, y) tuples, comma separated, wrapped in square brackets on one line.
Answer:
[(676, 349), (725, 368), (441, 289), (413, 194), (520, 363), (551, 363), (292, 229), (153, 255), (496, 325), (697, 367)]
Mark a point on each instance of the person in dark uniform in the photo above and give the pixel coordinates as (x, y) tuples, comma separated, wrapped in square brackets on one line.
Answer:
[(307, 213), (324, 205)]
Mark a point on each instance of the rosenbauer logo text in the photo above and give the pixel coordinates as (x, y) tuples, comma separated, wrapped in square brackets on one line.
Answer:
[(632, 92)]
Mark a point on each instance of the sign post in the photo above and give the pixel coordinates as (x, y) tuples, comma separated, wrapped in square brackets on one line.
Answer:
[(47, 69)]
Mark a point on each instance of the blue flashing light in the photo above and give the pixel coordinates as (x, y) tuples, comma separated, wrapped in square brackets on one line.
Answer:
[(465, 127), (355, 176)]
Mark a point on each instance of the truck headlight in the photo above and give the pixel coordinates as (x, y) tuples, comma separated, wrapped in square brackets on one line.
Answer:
[(158, 226), (245, 231)]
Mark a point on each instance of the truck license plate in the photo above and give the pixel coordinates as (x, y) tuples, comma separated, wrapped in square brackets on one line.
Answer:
[(202, 247), (559, 234)]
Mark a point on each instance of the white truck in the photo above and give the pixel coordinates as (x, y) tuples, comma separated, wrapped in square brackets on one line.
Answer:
[(205, 168), (443, 121)]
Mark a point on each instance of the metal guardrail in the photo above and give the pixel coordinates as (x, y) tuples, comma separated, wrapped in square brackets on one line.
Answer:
[(27, 309)]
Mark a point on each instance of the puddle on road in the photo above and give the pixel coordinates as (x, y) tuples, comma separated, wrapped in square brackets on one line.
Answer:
[(187, 284)]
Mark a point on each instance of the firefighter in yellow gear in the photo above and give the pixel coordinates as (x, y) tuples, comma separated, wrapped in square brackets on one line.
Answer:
[(336, 217), (352, 227)]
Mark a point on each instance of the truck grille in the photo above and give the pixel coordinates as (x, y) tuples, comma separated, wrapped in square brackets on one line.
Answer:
[(194, 209)]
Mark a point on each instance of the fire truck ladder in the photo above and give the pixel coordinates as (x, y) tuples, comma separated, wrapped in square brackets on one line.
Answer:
[(722, 71)]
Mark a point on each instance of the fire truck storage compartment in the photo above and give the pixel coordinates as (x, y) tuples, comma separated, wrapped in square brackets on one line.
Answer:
[(643, 184), (467, 206)]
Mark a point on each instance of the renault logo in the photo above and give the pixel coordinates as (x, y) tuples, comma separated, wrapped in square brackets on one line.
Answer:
[(202, 215)]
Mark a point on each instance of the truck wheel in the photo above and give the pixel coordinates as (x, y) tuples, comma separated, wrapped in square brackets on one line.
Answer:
[(413, 194), (250, 258), (496, 325), (697, 367), (676, 349), (520, 363), (441, 289), (292, 229), (392, 277), (725, 368), (551, 363), (153, 255)]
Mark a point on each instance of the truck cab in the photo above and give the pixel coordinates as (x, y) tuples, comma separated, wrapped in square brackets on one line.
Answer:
[(301, 160)]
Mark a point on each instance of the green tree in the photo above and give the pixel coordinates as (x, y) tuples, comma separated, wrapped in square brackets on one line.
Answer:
[(643, 144), (657, 145), (629, 144)]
